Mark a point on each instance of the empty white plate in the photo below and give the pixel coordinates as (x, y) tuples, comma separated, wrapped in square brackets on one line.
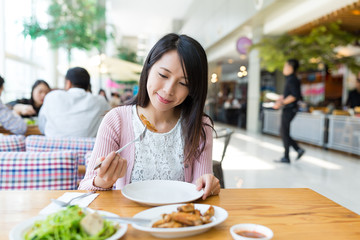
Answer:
[(161, 192), (155, 213)]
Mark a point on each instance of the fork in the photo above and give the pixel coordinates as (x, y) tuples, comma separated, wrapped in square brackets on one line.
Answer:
[(64, 204), (138, 139)]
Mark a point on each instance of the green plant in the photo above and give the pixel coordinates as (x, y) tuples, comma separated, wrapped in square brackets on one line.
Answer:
[(312, 49), (126, 54), (73, 24)]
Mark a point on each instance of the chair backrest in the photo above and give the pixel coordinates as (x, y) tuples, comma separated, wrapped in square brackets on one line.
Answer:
[(38, 170), (79, 145), (12, 143), (226, 134)]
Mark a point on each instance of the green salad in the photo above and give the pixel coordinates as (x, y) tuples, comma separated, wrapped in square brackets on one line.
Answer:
[(66, 224)]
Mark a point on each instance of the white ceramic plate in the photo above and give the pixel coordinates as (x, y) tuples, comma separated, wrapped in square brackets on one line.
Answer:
[(155, 213), (18, 232), (161, 192)]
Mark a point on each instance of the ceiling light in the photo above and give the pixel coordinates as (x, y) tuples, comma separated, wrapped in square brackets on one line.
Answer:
[(242, 56), (242, 68), (230, 61)]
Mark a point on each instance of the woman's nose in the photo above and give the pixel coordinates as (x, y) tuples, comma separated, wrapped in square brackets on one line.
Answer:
[(169, 88)]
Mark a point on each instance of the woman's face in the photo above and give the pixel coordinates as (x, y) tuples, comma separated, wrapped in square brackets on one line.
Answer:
[(288, 69), (39, 94), (167, 85)]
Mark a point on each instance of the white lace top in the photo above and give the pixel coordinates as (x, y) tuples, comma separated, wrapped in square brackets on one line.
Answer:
[(159, 156)]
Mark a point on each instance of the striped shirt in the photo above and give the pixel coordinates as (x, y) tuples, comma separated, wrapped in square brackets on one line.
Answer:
[(116, 130), (11, 122)]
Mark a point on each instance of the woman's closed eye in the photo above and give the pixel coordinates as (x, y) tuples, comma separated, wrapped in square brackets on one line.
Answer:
[(162, 75), (183, 84)]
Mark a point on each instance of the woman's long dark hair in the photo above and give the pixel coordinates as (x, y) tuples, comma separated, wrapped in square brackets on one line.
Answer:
[(195, 67)]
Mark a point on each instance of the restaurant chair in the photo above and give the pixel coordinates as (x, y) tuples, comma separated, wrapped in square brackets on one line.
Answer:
[(38, 170), (12, 143), (81, 145), (224, 133)]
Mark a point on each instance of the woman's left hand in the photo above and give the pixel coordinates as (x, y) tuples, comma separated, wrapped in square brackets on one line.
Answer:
[(210, 184)]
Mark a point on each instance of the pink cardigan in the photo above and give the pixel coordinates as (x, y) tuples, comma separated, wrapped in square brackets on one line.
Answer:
[(116, 130)]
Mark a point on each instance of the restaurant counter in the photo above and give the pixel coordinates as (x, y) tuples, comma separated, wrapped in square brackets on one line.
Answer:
[(328, 131)]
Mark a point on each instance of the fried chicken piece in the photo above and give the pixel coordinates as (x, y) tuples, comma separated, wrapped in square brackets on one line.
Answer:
[(172, 224), (188, 208), (210, 212), (147, 123), (158, 223), (187, 219)]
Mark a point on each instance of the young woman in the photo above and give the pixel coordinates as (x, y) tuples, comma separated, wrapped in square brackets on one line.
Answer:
[(31, 107), (172, 94)]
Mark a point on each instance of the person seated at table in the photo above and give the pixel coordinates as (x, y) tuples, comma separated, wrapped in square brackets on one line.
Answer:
[(354, 96), (172, 94), (103, 93), (8, 120), (115, 100), (31, 107), (72, 112)]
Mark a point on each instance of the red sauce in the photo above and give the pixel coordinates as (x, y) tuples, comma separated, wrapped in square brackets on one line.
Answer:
[(249, 234)]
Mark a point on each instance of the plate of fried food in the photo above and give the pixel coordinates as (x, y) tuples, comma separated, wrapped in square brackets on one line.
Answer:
[(179, 220)]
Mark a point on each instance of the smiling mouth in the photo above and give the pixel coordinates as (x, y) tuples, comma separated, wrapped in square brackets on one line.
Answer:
[(163, 100)]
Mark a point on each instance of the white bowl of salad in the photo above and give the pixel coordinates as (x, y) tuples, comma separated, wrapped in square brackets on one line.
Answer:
[(70, 223)]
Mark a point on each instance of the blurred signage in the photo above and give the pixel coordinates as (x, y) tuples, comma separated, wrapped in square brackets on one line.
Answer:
[(242, 45)]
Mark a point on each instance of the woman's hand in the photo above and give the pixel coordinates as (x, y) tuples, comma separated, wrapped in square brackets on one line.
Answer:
[(112, 168), (210, 184), (24, 109)]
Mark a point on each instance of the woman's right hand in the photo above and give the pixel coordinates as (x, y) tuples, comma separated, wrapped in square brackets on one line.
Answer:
[(112, 168), (24, 109)]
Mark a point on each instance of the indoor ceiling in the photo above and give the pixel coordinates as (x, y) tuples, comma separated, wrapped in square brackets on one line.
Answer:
[(349, 17), (146, 17)]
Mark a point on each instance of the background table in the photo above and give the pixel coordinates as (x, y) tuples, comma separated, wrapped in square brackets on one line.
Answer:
[(31, 130), (292, 214)]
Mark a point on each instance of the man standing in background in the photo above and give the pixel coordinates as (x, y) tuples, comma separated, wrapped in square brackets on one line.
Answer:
[(292, 94), (74, 112)]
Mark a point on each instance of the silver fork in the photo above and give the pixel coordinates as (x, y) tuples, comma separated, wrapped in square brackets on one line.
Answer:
[(64, 204), (138, 139)]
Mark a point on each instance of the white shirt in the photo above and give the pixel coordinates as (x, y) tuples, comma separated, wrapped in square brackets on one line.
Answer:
[(72, 113), (159, 156)]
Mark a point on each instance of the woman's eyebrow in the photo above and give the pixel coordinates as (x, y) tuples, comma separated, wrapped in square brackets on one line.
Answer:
[(166, 69)]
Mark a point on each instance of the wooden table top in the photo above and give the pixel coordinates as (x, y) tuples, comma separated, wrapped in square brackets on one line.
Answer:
[(31, 130), (292, 214)]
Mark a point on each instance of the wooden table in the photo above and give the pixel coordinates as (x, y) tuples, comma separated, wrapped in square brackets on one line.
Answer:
[(292, 214), (31, 130)]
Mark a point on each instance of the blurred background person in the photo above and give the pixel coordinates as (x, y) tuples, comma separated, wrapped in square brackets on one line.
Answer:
[(8, 120), (115, 99), (354, 96), (103, 93), (292, 94), (74, 112), (31, 107)]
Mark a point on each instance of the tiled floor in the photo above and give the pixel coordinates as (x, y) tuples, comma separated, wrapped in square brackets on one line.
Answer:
[(248, 163)]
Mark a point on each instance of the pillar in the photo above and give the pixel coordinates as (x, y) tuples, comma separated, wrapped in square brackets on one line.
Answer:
[(253, 123)]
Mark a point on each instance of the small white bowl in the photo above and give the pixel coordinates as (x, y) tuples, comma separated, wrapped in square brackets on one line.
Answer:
[(252, 228)]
